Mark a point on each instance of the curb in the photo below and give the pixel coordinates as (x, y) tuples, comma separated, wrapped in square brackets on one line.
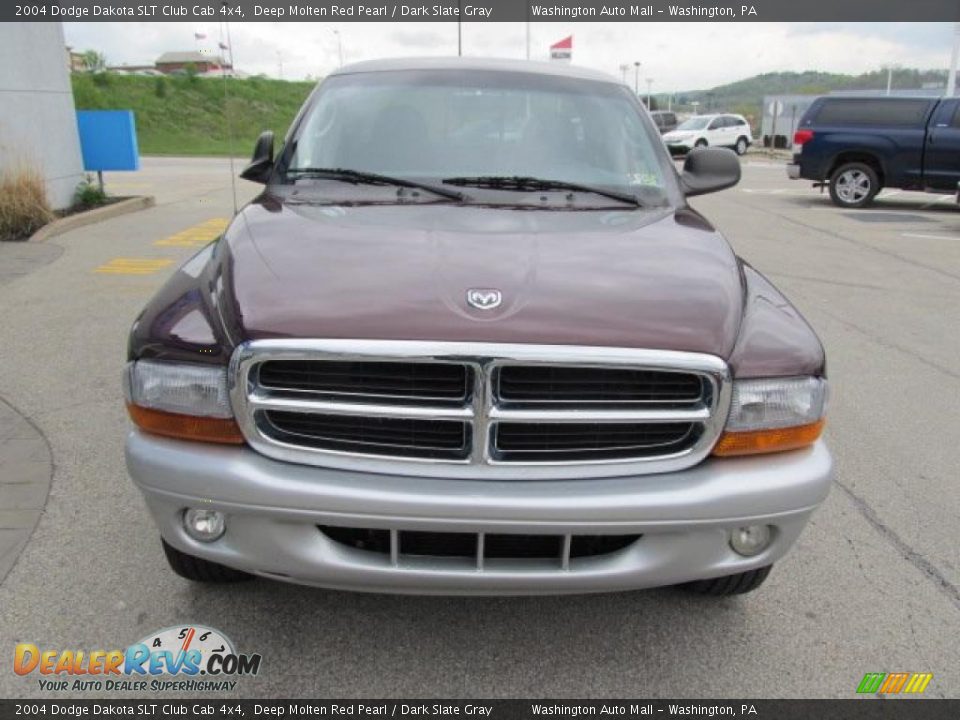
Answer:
[(58, 227)]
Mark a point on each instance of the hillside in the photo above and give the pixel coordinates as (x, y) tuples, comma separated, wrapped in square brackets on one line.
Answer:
[(745, 96), (185, 115)]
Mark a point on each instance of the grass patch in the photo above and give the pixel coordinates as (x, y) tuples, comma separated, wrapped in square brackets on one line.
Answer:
[(185, 116), (24, 208)]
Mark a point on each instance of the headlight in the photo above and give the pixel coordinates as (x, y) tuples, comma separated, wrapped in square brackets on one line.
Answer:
[(773, 414), (181, 400)]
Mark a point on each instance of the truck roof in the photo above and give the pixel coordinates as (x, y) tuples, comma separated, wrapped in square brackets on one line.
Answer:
[(474, 63)]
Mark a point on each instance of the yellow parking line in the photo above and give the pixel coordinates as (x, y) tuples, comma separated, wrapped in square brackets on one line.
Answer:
[(197, 235), (133, 266)]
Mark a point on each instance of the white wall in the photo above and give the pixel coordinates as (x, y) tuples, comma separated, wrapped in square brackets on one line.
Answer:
[(38, 123)]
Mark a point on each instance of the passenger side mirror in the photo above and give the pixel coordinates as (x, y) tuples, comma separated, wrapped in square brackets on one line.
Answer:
[(708, 170), (261, 164)]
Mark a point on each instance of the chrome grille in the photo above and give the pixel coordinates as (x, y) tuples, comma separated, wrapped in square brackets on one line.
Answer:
[(472, 410)]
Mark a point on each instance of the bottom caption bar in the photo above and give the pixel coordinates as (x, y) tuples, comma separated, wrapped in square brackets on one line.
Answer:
[(854, 709)]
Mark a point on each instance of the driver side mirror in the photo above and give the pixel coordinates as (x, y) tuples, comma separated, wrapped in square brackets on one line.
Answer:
[(261, 164), (708, 170)]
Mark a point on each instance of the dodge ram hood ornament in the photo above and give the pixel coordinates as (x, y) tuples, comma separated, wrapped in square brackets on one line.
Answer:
[(484, 298)]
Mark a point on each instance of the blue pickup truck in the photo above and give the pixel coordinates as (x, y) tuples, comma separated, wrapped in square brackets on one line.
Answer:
[(857, 145)]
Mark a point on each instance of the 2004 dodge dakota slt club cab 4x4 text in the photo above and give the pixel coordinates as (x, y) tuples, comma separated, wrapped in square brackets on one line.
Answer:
[(471, 338)]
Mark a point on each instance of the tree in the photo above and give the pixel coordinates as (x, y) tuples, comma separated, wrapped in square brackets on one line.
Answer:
[(94, 61)]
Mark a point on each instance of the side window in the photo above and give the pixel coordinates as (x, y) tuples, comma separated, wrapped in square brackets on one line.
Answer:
[(739, 122), (715, 124), (956, 117), (855, 111)]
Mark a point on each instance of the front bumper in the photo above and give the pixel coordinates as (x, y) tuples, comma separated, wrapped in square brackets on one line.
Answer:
[(273, 510)]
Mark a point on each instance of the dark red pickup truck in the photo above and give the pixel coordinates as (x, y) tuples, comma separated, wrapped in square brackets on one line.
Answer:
[(471, 338)]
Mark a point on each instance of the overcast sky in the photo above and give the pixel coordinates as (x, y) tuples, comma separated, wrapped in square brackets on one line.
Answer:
[(678, 56)]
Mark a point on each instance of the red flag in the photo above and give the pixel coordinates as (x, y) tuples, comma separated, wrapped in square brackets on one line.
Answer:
[(562, 50)]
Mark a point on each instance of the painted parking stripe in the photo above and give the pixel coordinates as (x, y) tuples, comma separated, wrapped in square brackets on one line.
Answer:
[(924, 236), (197, 235), (133, 266)]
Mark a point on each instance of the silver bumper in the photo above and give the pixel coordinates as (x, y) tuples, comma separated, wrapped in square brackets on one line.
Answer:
[(274, 509), (793, 171)]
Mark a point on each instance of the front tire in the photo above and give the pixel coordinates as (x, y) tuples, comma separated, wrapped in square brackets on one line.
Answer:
[(700, 143), (854, 185), (200, 570), (741, 146), (730, 584)]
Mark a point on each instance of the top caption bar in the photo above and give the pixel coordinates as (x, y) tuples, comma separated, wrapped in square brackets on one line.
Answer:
[(484, 11)]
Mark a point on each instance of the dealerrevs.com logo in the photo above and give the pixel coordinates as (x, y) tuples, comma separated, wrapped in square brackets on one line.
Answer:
[(185, 658)]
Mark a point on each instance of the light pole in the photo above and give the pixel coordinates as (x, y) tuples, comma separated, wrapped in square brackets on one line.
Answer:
[(954, 60), (624, 68), (339, 46), (636, 77), (280, 64), (649, 88), (890, 68)]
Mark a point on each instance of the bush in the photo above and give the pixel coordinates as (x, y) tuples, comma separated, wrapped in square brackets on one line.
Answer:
[(89, 195), (23, 204), (160, 87)]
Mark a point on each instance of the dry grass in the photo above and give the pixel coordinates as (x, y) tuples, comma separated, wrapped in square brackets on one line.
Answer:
[(23, 204)]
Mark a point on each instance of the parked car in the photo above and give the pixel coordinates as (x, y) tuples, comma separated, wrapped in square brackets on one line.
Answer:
[(856, 146), (435, 360), (665, 120), (732, 131)]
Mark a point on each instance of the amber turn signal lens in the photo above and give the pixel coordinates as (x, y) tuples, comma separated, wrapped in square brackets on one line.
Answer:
[(755, 442), (186, 427)]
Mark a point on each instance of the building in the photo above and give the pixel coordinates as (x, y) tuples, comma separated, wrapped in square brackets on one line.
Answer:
[(76, 62), (38, 120), (200, 62)]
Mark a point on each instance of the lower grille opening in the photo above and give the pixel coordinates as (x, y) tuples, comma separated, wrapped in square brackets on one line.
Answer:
[(496, 546), (406, 437), (556, 442)]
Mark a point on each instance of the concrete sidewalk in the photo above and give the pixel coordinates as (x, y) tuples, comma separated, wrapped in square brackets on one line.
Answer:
[(26, 468)]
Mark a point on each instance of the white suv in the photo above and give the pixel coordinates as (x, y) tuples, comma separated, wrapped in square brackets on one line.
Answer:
[(730, 131)]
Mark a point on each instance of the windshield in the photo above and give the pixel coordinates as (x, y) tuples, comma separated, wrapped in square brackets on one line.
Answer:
[(431, 125), (695, 123)]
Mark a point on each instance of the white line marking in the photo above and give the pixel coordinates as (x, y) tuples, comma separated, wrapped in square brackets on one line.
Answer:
[(924, 236)]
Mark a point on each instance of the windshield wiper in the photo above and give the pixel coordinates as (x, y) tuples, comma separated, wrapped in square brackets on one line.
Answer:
[(367, 178), (521, 183)]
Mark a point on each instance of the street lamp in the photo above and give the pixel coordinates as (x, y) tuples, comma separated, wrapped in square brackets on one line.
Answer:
[(649, 87), (623, 72), (636, 77), (339, 46), (890, 68)]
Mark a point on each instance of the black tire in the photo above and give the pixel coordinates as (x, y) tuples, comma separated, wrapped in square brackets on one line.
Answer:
[(854, 185), (200, 570), (741, 147), (700, 143), (730, 584)]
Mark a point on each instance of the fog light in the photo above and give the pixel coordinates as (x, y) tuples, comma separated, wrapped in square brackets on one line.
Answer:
[(204, 525), (750, 539)]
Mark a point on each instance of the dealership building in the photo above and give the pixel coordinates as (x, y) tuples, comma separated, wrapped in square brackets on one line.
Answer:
[(38, 120)]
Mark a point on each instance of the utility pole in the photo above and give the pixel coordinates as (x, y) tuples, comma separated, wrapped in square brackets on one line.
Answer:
[(339, 46), (890, 67), (954, 62), (624, 68), (636, 78), (649, 88), (280, 64)]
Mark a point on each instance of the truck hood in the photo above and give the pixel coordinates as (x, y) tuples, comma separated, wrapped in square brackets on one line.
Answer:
[(659, 278)]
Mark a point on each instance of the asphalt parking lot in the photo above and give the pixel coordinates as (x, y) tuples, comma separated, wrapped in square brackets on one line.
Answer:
[(873, 585)]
